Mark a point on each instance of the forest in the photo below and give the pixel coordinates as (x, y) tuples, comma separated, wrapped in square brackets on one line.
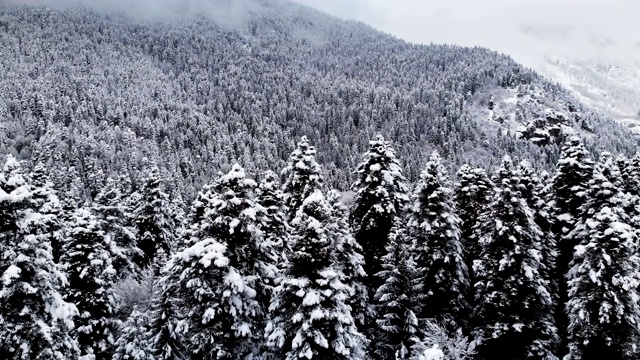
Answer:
[(511, 264), (162, 196)]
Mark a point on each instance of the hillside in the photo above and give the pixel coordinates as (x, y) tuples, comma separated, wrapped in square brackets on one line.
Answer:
[(94, 93)]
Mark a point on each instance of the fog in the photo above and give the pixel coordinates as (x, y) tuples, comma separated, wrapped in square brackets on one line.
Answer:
[(227, 13), (525, 29)]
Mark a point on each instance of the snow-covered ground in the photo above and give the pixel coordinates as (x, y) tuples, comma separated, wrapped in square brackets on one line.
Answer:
[(611, 86)]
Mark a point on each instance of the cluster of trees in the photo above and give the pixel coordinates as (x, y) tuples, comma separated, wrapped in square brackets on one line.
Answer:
[(90, 93), (512, 265)]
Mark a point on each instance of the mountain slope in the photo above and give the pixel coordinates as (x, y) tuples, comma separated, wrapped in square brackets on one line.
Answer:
[(94, 93)]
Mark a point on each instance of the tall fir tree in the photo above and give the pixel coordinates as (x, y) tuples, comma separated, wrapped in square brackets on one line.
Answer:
[(166, 318), (310, 315), (223, 278), (434, 227), (472, 192), (396, 301), (568, 194), (153, 222), (88, 262), (303, 177), (602, 307), (381, 194), (270, 196), (35, 321), (534, 193), (47, 203), (513, 303), (114, 212), (348, 257)]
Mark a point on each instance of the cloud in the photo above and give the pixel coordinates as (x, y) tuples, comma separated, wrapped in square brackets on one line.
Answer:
[(226, 13), (525, 29)]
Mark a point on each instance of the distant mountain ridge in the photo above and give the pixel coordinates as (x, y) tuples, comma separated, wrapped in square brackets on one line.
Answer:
[(92, 94)]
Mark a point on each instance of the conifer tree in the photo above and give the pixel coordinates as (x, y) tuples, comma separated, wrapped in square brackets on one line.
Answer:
[(88, 261), (35, 321), (133, 342), (513, 303), (348, 257), (434, 226), (398, 328), (48, 204), (271, 198), (303, 177), (310, 315), (222, 278), (381, 194), (166, 320), (568, 192), (154, 225), (533, 191), (472, 194), (112, 209), (602, 307)]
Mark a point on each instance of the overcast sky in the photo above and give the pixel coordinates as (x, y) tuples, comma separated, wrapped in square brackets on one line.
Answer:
[(525, 29)]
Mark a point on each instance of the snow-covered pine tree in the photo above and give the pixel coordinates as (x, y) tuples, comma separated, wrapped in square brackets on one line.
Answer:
[(398, 328), (381, 194), (222, 279), (134, 340), (472, 194), (116, 215), (166, 317), (303, 177), (513, 303), (434, 227), (602, 307), (533, 192), (568, 194), (47, 203), (310, 315), (630, 170), (348, 256), (153, 222), (35, 321), (87, 259), (216, 305), (269, 195)]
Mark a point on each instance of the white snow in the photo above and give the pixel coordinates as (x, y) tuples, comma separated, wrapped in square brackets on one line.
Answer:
[(434, 353)]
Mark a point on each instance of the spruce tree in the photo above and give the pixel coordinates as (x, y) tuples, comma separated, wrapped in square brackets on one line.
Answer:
[(154, 225), (348, 256), (398, 328), (303, 177), (47, 203), (381, 194), (35, 321), (310, 315), (434, 227), (568, 193), (116, 215), (88, 262), (602, 307), (271, 198), (513, 303), (166, 324), (222, 279), (533, 192), (472, 194), (134, 340)]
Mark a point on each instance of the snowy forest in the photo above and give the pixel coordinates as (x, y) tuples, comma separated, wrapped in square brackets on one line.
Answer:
[(509, 264), (162, 196)]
